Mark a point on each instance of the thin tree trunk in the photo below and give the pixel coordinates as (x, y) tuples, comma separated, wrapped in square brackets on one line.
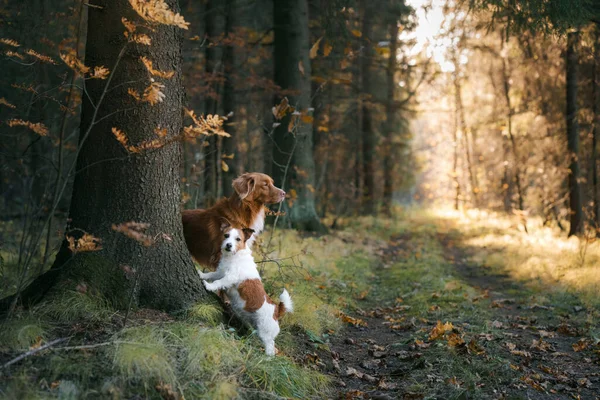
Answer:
[(368, 134), (391, 125), (575, 199), (596, 132), (142, 187), (465, 134), (456, 146), (511, 137), (214, 66), (293, 163), (229, 106)]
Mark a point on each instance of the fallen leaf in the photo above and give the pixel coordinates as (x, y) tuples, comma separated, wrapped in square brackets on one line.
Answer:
[(474, 348), (541, 345), (581, 345), (382, 384), (497, 324), (439, 330), (454, 340)]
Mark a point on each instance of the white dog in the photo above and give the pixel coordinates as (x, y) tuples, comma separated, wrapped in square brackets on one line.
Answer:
[(237, 273)]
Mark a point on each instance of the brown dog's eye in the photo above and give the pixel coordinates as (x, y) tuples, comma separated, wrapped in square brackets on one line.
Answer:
[(238, 239), (226, 235)]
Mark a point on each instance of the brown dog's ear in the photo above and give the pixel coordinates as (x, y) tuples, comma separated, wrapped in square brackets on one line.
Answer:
[(243, 186), (247, 233), (224, 225)]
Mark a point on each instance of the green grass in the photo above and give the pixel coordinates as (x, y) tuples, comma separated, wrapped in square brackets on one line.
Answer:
[(69, 306), (21, 332)]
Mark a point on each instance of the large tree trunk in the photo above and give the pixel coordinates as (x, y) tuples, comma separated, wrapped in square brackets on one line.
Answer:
[(575, 200), (229, 106), (369, 141), (391, 125), (113, 187), (293, 163), (596, 132)]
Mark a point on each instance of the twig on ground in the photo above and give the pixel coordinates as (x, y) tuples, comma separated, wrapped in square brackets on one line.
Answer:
[(33, 351)]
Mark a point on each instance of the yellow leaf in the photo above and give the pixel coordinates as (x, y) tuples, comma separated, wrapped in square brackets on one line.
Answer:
[(38, 128), (327, 49), (163, 74), (315, 48), (307, 119), (14, 43), (224, 166), (4, 102), (356, 32), (344, 63), (301, 67)]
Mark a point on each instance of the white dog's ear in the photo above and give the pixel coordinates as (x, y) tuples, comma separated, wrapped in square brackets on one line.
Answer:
[(243, 185), (247, 233)]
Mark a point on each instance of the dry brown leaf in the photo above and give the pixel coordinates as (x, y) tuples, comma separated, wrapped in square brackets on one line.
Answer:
[(315, 48), (327, 49), (38, 127), (581, 345)]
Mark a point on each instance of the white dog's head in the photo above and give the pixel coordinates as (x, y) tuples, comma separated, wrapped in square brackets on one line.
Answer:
[(234, 239)]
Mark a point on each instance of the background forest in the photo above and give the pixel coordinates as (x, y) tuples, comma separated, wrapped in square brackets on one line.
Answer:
[(440, 160)]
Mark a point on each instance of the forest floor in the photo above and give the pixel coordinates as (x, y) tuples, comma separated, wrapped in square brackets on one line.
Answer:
[(438, 323), (425, 305)]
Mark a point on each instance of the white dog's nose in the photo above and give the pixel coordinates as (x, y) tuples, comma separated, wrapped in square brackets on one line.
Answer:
[(228, 246)]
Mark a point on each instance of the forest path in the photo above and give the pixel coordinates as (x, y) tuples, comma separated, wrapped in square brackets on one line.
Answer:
[(436, 324)]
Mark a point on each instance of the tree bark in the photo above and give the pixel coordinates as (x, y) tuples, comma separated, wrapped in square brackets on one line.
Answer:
[(369, 141), (113, 187), (293, 162), (391, 125), (575, 199)]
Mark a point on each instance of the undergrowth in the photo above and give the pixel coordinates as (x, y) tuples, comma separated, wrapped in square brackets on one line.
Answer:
[(195, 353)]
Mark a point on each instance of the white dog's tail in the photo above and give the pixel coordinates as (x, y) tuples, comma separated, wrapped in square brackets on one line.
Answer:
[(285, 304)]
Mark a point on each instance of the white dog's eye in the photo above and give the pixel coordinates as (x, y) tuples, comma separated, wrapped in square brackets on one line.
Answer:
[(226, 235), (238, 239)]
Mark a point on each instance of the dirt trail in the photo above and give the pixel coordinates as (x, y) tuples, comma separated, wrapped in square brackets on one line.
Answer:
[(380, 357)]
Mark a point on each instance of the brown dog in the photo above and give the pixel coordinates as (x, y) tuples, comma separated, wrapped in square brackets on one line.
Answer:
[(244, 209)]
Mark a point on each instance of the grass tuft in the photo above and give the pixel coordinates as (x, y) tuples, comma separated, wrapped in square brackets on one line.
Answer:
[(282, 376), (141, 353), (71, 306), (209, 313), (20, 333)]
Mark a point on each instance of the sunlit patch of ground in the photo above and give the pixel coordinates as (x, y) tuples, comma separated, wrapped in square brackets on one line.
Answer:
[(543, 256)]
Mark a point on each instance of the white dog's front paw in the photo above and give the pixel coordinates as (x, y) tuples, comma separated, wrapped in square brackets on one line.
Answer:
[(209, 286)]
